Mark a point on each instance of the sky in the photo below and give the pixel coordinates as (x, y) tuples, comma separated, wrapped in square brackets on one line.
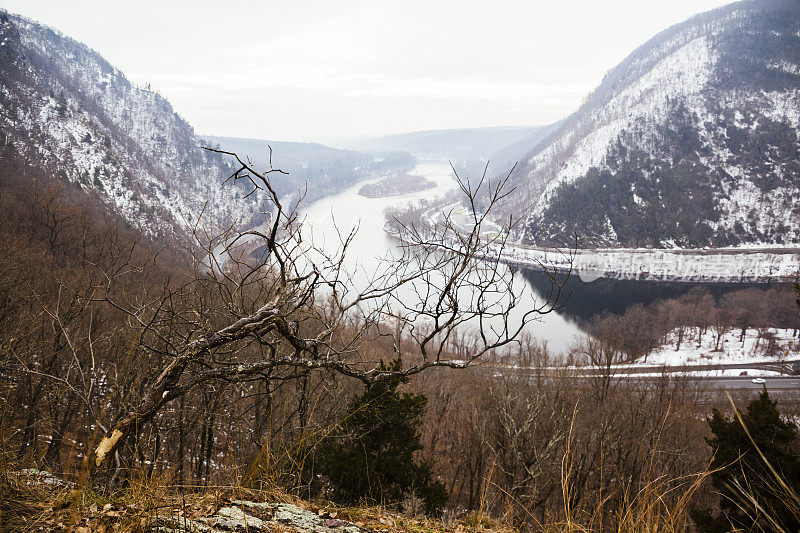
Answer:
[(329, 71)]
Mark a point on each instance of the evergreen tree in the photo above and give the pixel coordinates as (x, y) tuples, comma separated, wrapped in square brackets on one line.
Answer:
[(371, 456), (751, 497)]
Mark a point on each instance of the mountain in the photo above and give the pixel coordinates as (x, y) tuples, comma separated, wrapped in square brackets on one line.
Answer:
[(467, 149), (66, 113), (693, 140), (327, 169)]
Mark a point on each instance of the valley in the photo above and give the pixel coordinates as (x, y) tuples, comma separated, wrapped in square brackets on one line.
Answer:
[(585, 320), (647, 275)]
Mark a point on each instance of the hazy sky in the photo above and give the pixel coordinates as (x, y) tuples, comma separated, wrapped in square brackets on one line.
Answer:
[(324, 70)]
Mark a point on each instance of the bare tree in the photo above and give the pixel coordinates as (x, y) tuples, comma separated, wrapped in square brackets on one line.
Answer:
[(674, 316), (266, 298), (638, 332), (745, 307), (722, 319), (602, 351)]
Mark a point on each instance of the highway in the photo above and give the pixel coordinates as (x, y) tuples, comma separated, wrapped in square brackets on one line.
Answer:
[(771, 383), (785, 383)]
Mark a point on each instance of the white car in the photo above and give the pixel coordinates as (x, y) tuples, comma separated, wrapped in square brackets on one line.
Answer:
[(759, 381)]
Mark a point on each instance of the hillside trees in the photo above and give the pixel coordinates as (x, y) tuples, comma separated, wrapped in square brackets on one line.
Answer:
[(60, 352), (515, 444), (371, 454), (294, 307), (756, 470)]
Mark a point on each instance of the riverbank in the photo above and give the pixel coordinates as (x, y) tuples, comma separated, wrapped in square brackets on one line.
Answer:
[(721, 265), (756, 264), (679, 265)]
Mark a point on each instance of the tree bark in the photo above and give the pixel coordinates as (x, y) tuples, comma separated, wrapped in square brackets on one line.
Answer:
[(165, 388)]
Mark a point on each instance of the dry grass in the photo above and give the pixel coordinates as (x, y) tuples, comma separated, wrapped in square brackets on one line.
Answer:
[(660, 506), (29, 505), (26, 504), (37, 508)]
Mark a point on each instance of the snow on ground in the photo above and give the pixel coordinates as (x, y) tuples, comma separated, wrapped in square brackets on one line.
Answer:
[(663, 265), (695, 358), (732, 350), (722, 373)]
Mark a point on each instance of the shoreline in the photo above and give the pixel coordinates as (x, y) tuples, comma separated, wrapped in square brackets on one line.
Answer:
[(723, 265), (710, 265)]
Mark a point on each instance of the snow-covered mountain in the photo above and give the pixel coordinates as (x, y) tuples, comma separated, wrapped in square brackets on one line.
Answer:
[(66, 112), (69, 112), (693, 140)]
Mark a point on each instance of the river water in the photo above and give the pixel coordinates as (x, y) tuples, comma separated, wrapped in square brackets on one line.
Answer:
[(327, 219), (331, 217)]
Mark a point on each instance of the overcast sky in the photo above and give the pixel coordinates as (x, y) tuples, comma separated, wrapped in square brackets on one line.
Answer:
[(325, 70)]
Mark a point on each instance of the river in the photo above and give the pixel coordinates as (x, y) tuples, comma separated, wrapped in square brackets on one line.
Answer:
[(326, 219), (332, 216)]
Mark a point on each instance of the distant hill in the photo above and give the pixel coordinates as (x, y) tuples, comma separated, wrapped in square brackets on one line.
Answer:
[(326, 170), (468, 149), (693, 140)]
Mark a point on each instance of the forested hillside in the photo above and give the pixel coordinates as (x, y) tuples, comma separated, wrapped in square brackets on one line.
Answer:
[(71, 115), (691, 141)]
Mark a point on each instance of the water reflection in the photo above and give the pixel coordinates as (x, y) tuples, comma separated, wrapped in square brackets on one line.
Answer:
[(616, 296), (327, 219)]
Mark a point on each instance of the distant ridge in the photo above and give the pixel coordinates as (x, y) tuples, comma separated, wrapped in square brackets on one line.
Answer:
[(324, 169), (468, 149)]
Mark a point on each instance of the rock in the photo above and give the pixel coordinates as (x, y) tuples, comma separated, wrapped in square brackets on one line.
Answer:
[(243, 515)]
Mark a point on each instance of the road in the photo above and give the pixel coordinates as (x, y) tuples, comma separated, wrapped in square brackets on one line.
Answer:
[(777, 366), (744, 382), (785, 383)]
